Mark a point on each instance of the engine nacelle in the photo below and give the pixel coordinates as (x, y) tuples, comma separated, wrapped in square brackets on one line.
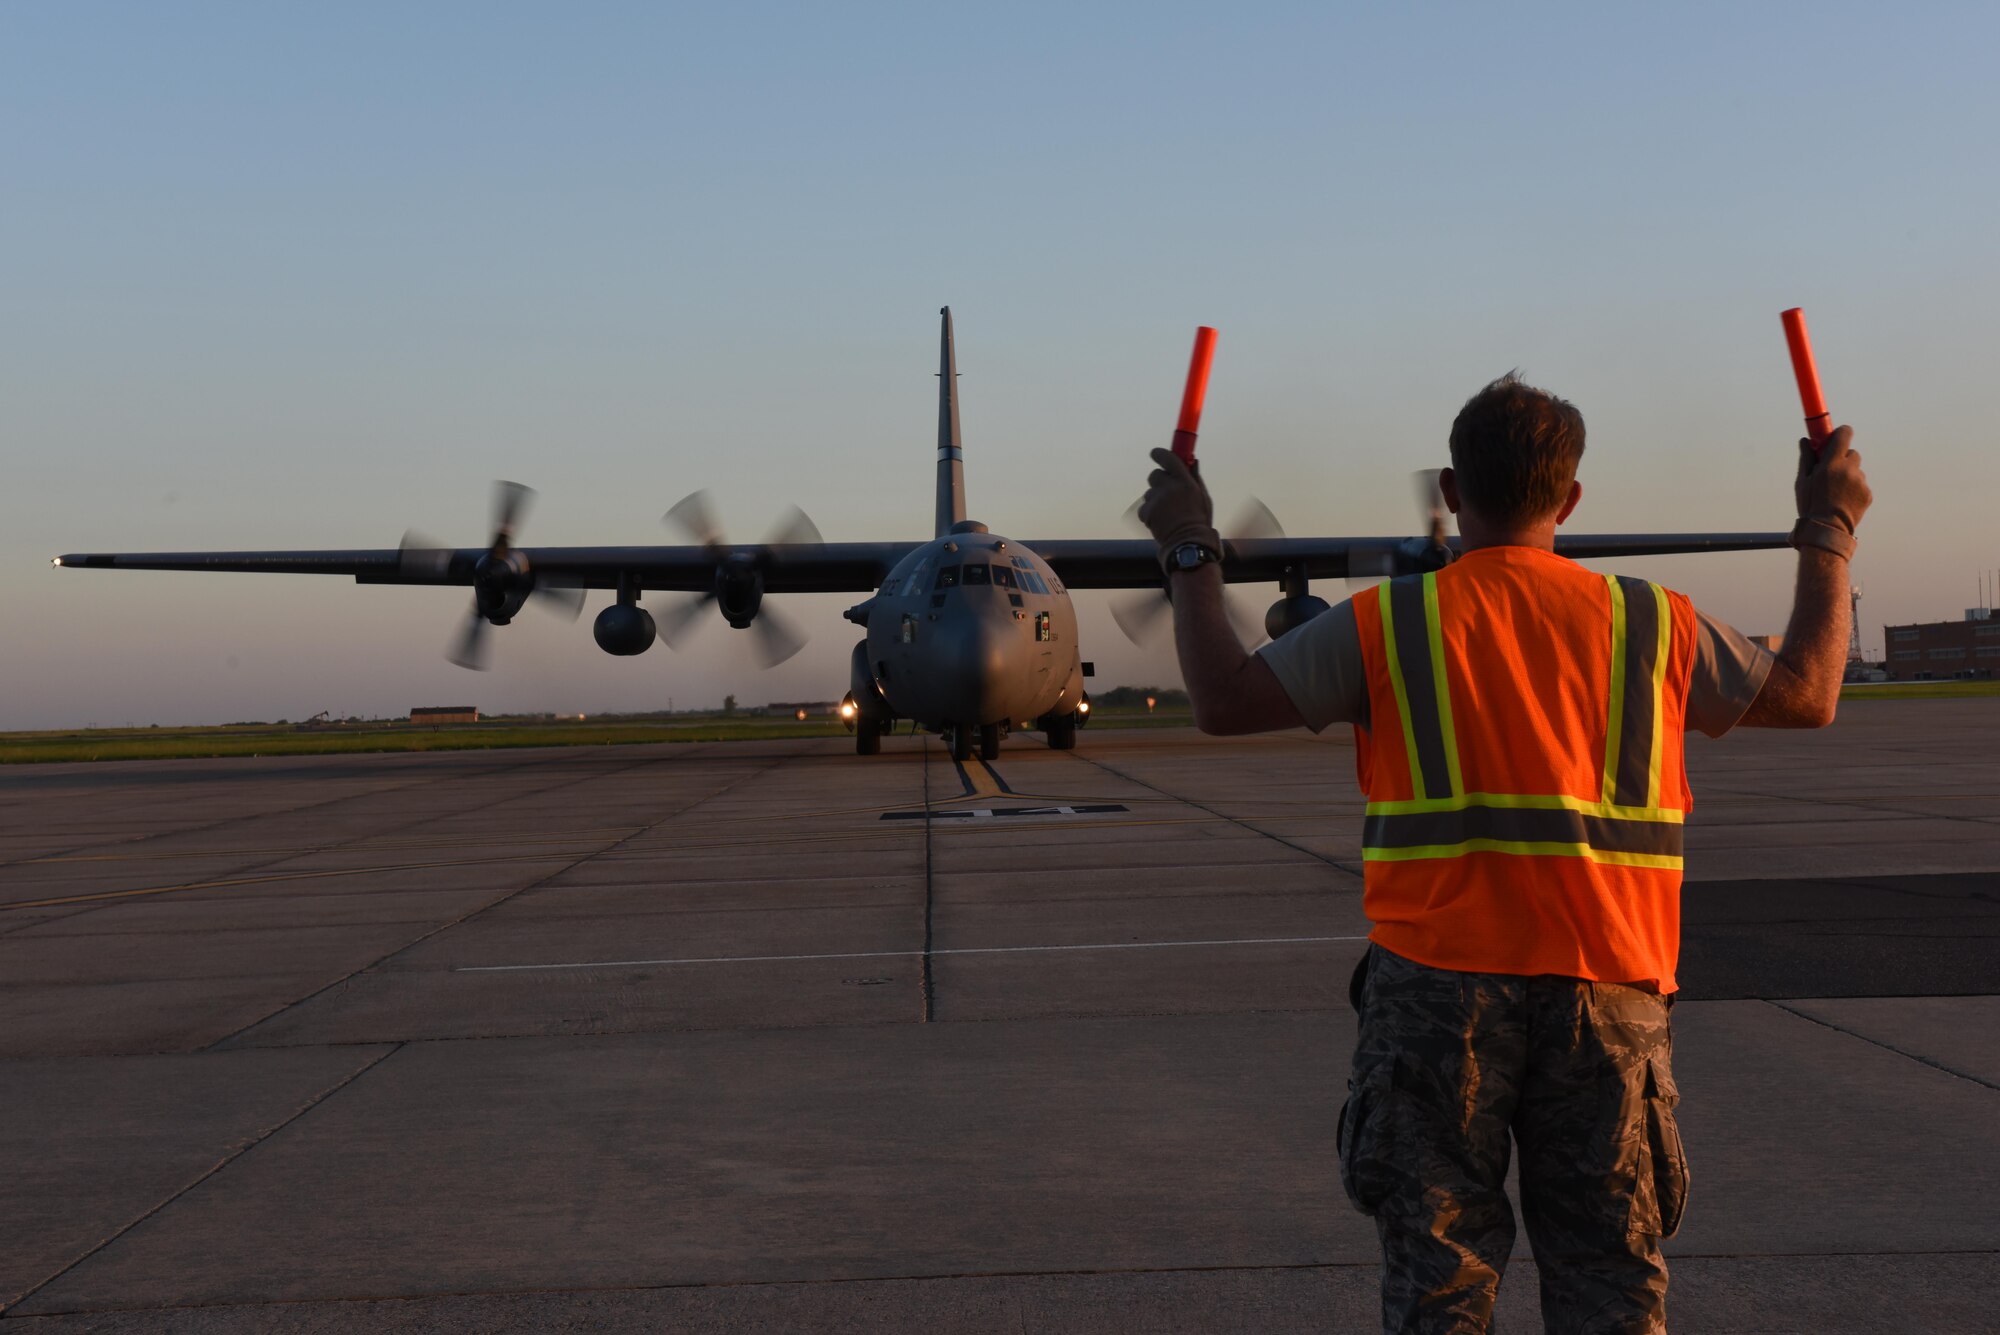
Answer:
[(623, 629), (1288, 614), (739, 590), (501, 583)]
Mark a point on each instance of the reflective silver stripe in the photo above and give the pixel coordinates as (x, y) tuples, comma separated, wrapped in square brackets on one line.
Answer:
[(1638, 712), (1522, 825), (950, 452), (1413, 655)]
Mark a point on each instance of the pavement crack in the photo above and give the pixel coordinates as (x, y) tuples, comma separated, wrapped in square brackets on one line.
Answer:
[(927, 976), (233, 1038), (1886, 1047), (245, 873), (1330, 861), (220, 1164)]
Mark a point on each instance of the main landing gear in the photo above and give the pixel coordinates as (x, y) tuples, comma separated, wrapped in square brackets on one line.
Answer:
[(1060, 729)]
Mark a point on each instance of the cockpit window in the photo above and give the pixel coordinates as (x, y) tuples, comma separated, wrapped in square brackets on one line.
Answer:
[(976, 572), (1003, 577), (947, 577)]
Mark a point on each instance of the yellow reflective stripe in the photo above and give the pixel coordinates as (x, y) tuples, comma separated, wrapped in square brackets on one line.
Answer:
[(1435, 625), (1528, 801), (1382, 601), (1615, 713), (1659, 687), (1526, 850)]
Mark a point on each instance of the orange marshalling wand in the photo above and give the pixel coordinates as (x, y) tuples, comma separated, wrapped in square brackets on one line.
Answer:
[(1819, 423), (1194, 395)]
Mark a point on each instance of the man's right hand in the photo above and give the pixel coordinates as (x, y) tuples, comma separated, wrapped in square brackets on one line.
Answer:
[(1831, 487)]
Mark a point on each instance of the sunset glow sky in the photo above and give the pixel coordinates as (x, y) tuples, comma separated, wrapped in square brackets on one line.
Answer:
[(308, 276)]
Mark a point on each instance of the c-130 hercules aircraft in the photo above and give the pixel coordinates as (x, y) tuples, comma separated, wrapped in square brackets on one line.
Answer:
[(968, 634)]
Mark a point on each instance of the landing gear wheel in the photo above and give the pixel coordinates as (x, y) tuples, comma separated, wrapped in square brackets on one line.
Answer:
[(867, 737), (1061, 733), (989, 741), (958, 741)]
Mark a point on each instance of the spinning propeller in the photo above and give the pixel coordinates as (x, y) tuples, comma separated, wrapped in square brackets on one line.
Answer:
[(1140, 616), (501, 578), (1412, 555), (738, 592)]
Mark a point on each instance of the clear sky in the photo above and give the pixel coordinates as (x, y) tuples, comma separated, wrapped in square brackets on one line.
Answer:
[(307, 276)]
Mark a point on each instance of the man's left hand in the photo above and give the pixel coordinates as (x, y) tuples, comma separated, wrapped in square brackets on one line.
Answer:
[(1177, 508)]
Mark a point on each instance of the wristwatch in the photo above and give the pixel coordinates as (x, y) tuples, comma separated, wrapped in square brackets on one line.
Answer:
[(1190, 555)]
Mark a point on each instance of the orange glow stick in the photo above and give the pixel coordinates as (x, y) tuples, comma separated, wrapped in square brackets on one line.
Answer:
[(1195, 394), (1819, 423)]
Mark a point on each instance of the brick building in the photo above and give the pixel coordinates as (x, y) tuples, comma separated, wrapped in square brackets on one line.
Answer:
[(444, 714), (1941, 650)]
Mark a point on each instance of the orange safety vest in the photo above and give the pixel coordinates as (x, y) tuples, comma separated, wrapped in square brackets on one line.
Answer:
[(1523, 767)]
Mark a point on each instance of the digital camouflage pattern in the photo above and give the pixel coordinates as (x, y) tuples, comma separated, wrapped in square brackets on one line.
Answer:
[(1450, 1067)]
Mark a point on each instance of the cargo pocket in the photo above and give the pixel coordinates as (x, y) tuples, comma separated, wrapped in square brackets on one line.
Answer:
[(1663, 1143), (1364, 1171)]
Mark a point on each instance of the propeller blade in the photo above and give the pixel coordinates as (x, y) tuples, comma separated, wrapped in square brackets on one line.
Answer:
[(510, 502), (1131, 516), (472, 647), (418, 557), (558, 596), (676, 621), (693, 516), (1254, 521), (1248, 622), (797, 529), (777, 636), (1139, 616), (1430, 503)]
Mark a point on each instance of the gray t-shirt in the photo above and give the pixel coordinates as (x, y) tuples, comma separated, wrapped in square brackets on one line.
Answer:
[(1321, 669)]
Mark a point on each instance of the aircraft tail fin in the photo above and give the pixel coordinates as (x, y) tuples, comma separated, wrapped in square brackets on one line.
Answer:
[(951, 453)]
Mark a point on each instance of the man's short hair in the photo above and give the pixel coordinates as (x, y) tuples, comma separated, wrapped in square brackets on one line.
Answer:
[(1515, 449)]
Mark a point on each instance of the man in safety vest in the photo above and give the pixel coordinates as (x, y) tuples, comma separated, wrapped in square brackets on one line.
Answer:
[(1518, 723)]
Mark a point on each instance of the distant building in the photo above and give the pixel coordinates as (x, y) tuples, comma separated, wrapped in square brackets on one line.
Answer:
[(1940, 650), (1771, 642), (444, 714)]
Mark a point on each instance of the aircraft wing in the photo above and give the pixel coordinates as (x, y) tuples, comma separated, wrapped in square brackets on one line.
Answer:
[(828, 567), (859, 567), (1127, 563)]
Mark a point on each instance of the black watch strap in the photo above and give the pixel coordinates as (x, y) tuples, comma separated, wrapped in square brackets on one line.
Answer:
[(1192, 555)]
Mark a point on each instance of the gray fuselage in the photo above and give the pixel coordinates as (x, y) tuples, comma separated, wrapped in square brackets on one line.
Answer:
[(972, 629)]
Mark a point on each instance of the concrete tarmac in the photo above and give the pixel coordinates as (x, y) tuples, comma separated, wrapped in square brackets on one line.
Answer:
[(767, 1036)]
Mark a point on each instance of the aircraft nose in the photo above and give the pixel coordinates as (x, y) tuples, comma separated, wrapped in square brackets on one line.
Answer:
[(984, 659)]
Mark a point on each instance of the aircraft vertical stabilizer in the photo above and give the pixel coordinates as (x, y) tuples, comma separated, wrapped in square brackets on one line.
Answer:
[(951, 454)]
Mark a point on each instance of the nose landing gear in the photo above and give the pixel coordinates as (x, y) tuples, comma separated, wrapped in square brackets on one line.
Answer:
[(961, 739)]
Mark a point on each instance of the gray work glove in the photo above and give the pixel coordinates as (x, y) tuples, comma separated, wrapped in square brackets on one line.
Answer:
[(1832, 493), (1176, 508)]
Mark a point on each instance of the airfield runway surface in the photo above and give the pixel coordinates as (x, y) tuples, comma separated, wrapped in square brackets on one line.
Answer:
[(762, 1036)]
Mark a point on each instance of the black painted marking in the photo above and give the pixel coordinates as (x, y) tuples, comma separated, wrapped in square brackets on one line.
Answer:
[(1907, 935), (987, 813)]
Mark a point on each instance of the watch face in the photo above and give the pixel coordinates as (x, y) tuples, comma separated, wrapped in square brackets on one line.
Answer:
[(1188, 555)]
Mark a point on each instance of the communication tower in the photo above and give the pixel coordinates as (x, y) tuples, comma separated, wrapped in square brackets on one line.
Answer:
[(1854, 624)]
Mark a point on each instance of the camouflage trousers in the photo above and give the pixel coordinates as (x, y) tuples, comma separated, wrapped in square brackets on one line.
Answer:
[(1451, 1068)]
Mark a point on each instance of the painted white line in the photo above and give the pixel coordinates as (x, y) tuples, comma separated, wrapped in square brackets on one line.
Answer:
[(906, 954)]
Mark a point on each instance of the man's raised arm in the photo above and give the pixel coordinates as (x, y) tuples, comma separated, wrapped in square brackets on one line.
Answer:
[(1232, 690), (1803, 688)]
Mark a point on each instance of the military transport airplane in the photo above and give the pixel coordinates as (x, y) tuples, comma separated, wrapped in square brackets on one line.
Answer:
[(968, 634)]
